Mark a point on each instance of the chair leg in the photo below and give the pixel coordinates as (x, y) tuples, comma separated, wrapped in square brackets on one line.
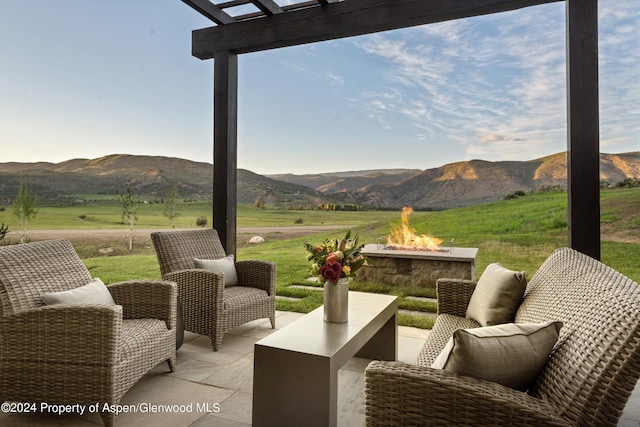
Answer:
[(107, 418), (273, 321), (172, 364), (216, 341)]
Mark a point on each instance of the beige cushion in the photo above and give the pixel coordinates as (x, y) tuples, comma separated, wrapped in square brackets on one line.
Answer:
[(510, 354), (497, 295), (225, 265), (94, 292)]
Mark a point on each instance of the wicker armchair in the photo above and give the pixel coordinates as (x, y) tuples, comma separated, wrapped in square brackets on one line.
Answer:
[(208, 307), (77, 354), (586, 381)]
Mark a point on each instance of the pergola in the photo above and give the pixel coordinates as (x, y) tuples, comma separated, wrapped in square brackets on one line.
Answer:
[(273, 25)]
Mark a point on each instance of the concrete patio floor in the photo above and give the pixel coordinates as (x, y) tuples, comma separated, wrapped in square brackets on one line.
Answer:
[(214, 389)]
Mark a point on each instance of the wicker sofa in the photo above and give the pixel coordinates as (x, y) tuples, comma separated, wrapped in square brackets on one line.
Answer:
[(83, 354), (586, 380)]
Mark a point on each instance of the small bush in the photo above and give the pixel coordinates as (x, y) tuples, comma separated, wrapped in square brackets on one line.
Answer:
[(513, 195), (298, 221), (628, 183), (201, 221)]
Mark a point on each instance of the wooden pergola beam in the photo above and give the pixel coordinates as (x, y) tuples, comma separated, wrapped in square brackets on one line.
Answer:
[(225, 148), (268, 7), (211, 11), (337, 20), (583, 129)]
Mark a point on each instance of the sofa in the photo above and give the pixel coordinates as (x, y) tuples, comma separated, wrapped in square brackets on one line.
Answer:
[(585, 375)]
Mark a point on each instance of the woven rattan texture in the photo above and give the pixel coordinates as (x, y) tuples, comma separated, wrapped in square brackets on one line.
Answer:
[(596, 364), (208, 307), (77, 354), (587, 381)]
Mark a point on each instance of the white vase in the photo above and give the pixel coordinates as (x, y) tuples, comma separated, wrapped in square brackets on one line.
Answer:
[(336, 301)]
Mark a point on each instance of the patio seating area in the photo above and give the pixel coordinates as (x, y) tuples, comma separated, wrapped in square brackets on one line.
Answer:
[(221, 383), (218, 385)]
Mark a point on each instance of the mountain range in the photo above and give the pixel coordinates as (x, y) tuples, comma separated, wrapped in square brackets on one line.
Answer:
[(456, 184)]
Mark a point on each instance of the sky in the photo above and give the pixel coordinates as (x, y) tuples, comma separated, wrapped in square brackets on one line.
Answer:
[(89, 78)]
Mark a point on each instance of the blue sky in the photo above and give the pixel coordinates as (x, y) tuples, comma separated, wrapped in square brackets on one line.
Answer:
[(84, 79)]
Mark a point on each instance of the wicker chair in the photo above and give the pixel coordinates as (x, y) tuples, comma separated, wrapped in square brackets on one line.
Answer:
[(586, 381), (77, 354), (208, 307)]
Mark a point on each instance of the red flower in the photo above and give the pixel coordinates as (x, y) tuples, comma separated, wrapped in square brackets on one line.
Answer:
[(331, 271)]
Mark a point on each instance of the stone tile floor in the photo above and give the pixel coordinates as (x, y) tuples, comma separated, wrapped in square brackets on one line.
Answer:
[(214, 389)]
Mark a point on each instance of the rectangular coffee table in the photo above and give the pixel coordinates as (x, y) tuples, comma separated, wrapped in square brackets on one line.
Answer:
[(295, 376)]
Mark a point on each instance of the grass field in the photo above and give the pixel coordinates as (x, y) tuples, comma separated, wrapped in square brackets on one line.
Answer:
[(518, 233), (108, 215)]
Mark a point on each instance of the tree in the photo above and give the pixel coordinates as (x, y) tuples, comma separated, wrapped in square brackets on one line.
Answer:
[(25, 208), (129, 214), (171, 203)]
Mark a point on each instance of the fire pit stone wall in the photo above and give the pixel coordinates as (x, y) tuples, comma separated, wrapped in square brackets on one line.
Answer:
[(415, 267)]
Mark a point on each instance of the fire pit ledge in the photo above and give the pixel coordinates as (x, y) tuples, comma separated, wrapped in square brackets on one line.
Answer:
[(417, 267)]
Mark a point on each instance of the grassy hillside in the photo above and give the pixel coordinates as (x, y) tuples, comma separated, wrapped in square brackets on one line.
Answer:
[(518, 233), (457, 184)]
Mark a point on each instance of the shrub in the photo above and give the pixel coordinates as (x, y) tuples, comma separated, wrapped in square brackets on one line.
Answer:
[(628, 183), (513, 195), (298, 221), (201, 221)]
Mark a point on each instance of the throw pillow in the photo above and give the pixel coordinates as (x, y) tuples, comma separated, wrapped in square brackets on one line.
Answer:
[(94, 292), (224, 265), (497, 295), (510, 354)]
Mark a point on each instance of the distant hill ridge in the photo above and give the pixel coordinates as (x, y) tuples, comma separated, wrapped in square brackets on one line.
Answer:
[(455, 184)]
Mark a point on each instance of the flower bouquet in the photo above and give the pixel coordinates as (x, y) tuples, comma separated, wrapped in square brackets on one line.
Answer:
[(335, 258)]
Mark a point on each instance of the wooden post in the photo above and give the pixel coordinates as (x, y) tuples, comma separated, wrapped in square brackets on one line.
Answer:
[(583, 145), (225, 148)]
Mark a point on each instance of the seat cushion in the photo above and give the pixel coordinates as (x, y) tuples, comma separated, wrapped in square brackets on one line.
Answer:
[(139, 336), (240, 296), (509, 354), (94, 292), (497, 295), (226, 266)]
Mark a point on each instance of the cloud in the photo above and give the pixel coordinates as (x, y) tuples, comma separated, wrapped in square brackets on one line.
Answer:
[(330, 76), (335, 79), (495, 137), (496, 84)]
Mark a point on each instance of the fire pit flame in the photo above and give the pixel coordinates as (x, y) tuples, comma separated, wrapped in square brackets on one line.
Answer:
[(404, 237)]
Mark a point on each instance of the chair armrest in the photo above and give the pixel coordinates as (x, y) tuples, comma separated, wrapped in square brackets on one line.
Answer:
[(397, 393), (454, 295), (62, 334), (146, 299), (257, 274), (200, 290)]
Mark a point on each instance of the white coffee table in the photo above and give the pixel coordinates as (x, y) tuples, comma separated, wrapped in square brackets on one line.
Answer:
[(295, 377)]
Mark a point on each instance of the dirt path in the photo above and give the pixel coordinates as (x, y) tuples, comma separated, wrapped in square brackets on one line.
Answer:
[(111, 235)]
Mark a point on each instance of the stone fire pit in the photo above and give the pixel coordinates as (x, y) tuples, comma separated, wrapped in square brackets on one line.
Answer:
[(416, 267)]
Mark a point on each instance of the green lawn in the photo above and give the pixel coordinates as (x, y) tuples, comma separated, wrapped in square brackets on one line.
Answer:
[(518, 233)]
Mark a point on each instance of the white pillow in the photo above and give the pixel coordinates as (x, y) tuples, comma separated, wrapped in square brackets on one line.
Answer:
[(497, 295), (94, 292), (510, 354), (225, 265)]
